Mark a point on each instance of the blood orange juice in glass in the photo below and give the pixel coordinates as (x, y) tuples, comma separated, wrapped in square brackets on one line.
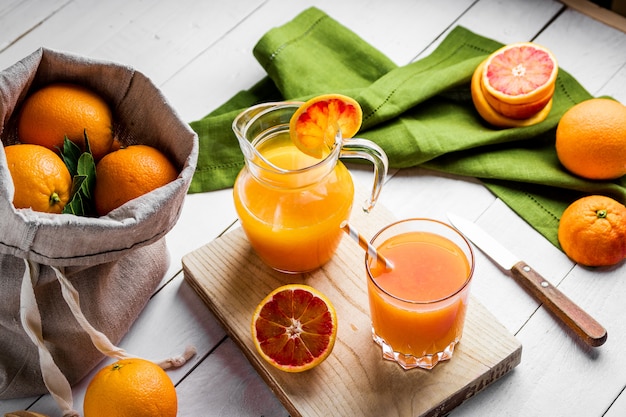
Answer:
[(290, 204), (418, 306)]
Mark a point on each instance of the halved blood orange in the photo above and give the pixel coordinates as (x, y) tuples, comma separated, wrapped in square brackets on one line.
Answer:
[(493, 117), (294, 328), (313, 127), (517, 111), (520, 73)]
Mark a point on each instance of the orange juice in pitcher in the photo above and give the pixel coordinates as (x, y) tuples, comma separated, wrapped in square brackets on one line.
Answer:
[(291, 204)]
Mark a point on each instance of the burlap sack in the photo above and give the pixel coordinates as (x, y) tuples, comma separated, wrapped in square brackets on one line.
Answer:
[(107, 267)]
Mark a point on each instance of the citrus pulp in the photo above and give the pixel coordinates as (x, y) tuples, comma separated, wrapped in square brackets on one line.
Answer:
[(314, 126), (520, 73), (294, 328), (493, 116)]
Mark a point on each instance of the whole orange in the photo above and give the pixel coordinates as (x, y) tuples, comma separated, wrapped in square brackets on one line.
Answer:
[(592, 231), (131, 387), (128, 173), (591, 139), (41, 179), (63, 109)]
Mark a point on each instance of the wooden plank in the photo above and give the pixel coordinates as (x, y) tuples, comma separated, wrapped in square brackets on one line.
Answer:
[(601, 14), (618, 408), (92, 23), (19, 17), (589, 50), (354, 380), (398, 29), (157, 38), (215, 389), (204, 216), (509, 21)]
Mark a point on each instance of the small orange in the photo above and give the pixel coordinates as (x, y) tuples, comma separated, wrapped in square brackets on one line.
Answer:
[(592, 231), (131, 387), (128, 173), (493, 116), (591, 139), (314, 125), (41, 179), (294, 328), (64, 109)]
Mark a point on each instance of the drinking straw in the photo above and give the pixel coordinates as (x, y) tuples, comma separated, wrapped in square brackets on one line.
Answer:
[(363, 243)]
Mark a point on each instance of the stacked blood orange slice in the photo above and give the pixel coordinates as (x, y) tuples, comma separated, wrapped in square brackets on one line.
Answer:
[(514, 86)]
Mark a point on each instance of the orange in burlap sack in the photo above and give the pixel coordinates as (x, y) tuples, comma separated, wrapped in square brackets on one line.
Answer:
[(72, 286)]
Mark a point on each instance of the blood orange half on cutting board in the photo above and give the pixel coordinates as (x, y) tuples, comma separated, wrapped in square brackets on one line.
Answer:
[(294, 328)]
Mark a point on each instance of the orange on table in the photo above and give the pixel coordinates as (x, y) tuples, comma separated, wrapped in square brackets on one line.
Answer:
[(294, 328), (131, 387), (65, 109), (591, 139), (128, 173), (514, 86), (592, 231), (314, 125), (41, 179)]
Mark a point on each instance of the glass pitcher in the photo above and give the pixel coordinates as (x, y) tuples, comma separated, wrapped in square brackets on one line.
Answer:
[(291, 205)]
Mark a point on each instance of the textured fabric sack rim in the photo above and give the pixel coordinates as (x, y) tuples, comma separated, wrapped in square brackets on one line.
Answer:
[(40, 237), (62, 241)]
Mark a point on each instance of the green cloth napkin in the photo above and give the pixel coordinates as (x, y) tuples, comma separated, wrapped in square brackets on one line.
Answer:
[(420, 114)]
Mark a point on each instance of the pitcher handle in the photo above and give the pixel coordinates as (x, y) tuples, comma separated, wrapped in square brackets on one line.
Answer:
[(366, 149)]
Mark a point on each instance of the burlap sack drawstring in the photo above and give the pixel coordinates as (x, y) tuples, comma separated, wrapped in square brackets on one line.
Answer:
[(55, 381), (53, 378), (99, 339)]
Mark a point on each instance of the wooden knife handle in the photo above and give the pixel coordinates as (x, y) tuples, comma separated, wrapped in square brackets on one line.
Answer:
[(565, 309)]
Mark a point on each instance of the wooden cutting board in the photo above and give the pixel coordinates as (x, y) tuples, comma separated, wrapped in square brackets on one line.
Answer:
[(354, 379)]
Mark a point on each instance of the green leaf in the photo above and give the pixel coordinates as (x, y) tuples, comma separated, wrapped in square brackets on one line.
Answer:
[(87, 167), (82, 167), (70, 154)]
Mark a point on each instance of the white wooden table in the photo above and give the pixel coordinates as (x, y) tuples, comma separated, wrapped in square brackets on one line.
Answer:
[(199, 54)]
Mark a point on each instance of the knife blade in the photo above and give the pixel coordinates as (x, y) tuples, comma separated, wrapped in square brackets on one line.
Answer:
[(585, 326)]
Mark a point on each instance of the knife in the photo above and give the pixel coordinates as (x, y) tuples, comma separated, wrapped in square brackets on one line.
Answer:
[(585, 326)]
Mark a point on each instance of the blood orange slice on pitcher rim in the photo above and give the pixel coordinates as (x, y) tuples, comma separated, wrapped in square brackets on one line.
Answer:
[(314, 126), (520, 73), (294, 328)]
